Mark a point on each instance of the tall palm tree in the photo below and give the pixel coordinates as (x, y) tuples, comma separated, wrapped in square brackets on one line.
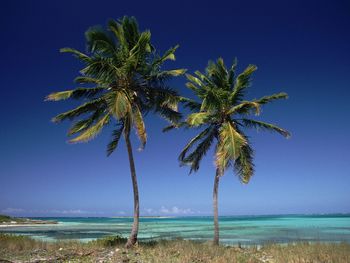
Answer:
[(222, 113), (124, 81)]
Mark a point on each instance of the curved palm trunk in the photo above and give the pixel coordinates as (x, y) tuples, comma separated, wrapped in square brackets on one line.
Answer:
[(135, 227), (215, 208)]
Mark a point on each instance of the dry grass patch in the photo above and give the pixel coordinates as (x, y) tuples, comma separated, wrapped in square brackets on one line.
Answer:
[(111, 249)]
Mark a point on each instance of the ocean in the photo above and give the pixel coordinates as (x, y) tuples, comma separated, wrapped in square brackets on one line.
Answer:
[(244, 230)]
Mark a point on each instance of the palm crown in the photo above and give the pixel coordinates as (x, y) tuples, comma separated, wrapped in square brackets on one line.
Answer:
[(223, 113), (125, 81)]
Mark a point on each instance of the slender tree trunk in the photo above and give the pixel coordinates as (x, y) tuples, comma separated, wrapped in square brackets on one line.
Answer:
[(215, 207), (135, 227)]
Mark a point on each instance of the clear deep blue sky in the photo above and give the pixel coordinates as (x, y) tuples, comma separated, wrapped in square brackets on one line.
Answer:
[(300, 47)]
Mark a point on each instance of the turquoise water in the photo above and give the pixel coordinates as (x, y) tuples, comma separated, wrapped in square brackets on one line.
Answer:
[(246, 230)]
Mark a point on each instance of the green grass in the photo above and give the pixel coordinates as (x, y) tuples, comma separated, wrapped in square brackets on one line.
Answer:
[(8, 219), (111, 249)]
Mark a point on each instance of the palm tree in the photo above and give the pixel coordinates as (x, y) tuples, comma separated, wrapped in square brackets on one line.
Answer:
[(122, 71), (222, 113)]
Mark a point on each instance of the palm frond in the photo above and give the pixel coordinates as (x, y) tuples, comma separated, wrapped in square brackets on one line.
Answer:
[(265, 126), (168, 113), (243, 165), (194, 82), (192, 142), (87, 107), (93, 131), (75, 94), (99, 40), (88, 80), (101, 67), (191, 104), (232, 72), (267, 99), (80, 55), (200, 151), (242, 82), (84, 124), (168, 55), (118, 31), (117, 133), (119, 104), (199, 118), (174, 126), (245, 107), (139, 126), (230, 142), (218, 74), (204, 78), (170, 73)]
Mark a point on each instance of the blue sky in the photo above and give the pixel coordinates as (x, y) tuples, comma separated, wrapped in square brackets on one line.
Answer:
[(300, 47)]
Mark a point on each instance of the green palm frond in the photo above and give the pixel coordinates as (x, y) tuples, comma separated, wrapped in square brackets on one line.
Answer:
[(164, 97), (119, 104), (230, 142), (195, 83), (265, 126), (139, 126), (174, 126), (173, 116), (191, 104), (243, 165), (267, 99), (142, 45), (242, 82), (245, 107), (87, 107), (88, 80), (232, 72), (198, 118), (117, 29), (205, 79), (75, 94), (171, 73), (93, 131), (218, 74), (195, 157), (100, 40), (117, 133), (84, 124), (80, 55), (192, 142), (102, 68), (168, 55)]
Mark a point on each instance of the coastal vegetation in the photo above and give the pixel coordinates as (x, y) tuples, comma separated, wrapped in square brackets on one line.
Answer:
[(222, 113), (123, 81), (111, 249), (9, 220)]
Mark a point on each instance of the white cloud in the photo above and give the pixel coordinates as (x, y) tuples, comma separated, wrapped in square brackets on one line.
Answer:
[(11, 210), (74, 212), (175, 210), (51, 212), (149, 211)]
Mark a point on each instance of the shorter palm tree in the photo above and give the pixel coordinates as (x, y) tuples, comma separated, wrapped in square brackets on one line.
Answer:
[(222, 113)]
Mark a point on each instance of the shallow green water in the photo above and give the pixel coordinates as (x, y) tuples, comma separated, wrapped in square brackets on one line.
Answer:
[(233, 230)]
